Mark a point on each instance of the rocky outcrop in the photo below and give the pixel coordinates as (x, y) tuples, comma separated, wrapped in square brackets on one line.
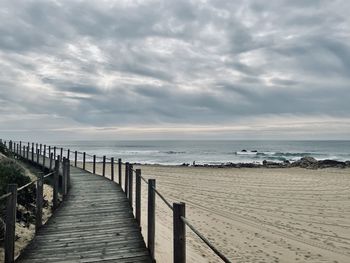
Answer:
[(306, 162), (331, 163)]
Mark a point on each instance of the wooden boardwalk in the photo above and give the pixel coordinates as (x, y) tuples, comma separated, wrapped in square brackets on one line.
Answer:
[(95, 223)]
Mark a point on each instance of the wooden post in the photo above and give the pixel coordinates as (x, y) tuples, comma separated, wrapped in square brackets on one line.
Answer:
[(51, 158), (44, 157), (151, 215), (68, 174), (32, 153), (37, 156), (131, 184), (55, 184), (24, 151), (104, 166), (61, 152), (126, 179), (10, 146), (138, 196), (10, 224), (28, 152), (94, 164), (63, 176), (39, 203), (179, 229), (75, 158), (54, 152), (68, 154), (84, 158), (120, 171), (20, 148), (112, 169), (41, 148)]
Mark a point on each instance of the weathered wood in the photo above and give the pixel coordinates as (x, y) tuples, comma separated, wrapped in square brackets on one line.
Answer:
[(94, 224), (10, 223), (44, 157), (54, 152), (94, 164), (131, 184), (37, 156), (20, 147), (126, 179), (68, 174), (75, 158), (151, 216), (138, 196), (104, 166), (61, 152), (84, 159), (39, 202), (55, 184), (41, 149), (28, 152), (68, 154), (112, 169), (179, 229), (63, 177), (51, 160), (120, 171)]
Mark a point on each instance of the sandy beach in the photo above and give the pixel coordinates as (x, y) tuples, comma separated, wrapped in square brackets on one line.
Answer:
[(254, 215)]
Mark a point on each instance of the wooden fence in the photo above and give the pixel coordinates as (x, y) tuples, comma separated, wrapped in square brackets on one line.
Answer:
[(79, 160), (60, 171)]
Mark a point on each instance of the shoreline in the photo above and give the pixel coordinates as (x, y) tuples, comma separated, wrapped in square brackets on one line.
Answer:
[(305, 162)]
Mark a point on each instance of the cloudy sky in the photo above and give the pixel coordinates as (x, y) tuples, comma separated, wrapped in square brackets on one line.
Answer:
[(205, 69)]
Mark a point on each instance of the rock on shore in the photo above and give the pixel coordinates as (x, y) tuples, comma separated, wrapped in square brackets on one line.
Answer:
[(307, 162)]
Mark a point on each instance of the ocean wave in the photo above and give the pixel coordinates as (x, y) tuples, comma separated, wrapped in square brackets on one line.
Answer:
[(246, 153), (174, 152)]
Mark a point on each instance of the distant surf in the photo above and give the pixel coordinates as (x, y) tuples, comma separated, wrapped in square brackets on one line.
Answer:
[(213, 152)]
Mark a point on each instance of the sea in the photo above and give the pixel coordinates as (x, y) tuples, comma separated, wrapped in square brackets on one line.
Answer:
[(212, 152)]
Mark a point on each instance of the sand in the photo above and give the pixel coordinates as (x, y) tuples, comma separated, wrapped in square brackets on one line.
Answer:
[(255, 214), (25, 233)]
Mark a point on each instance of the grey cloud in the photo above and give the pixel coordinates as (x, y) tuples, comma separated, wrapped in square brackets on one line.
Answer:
[(174, 62)]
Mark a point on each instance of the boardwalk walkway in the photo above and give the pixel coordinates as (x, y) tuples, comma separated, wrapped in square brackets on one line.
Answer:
[(94, 224)]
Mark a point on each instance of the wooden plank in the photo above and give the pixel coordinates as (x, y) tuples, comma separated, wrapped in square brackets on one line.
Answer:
[(104, 166), (39, 203), (120, 171), (95, 223), (151, 216), (131, 184), (55, 185), (138, 197), (10, 223), (112, 169), (179, 235)]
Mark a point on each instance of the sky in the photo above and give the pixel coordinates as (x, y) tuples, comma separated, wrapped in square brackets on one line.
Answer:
[(206, 69)]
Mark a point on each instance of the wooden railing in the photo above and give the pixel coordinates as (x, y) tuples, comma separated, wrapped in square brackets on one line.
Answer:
[(60, 169), (179, 208)]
